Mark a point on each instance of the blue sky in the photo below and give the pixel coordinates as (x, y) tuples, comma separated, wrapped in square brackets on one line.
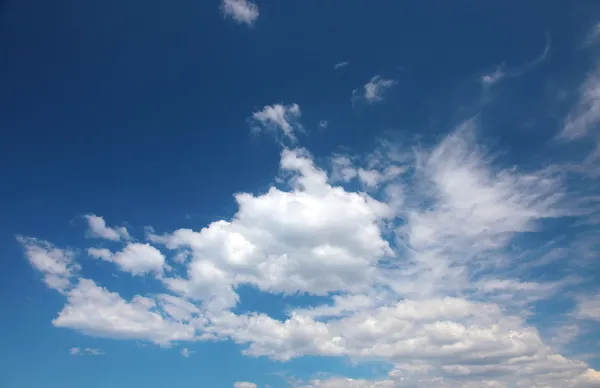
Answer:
[(299, 194)]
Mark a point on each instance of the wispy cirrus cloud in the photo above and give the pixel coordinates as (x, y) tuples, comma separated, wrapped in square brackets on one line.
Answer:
[(339, 65), (502, 72)]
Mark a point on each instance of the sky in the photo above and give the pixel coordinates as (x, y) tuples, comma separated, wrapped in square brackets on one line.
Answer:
[(299, 194)]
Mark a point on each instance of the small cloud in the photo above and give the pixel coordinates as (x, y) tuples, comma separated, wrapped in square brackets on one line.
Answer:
[(98, 229), (339, 65), (490, 79), (243, 384), (374, 90), (85, 352), (185, 352), (323, 124), (278, 117), (242, 11)]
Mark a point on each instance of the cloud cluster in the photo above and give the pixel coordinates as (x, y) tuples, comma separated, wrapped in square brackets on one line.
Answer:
[(425, 265), (424, 298)]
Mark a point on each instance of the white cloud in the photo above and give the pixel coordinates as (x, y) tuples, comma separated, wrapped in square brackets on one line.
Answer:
[(96, 311), (339, 65), (56, 265), (500, 73), (374, 90), (278, 117), (135, 258), (242, 11), (185, 352), (97, 228), (323, 124), (585, 115), (316, 239), (492, 78), (85, 352), (243, 384), (588, 307), (100, 253)]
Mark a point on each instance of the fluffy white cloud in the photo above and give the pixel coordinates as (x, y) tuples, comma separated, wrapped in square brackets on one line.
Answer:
[(56, 265), (135, 258), (242, 11), (243, 384), (97, 228), (374, 90), (278, 117), (316, 238), (96, 311)]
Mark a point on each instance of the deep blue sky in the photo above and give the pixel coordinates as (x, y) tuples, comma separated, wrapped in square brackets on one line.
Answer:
[(138, 111)]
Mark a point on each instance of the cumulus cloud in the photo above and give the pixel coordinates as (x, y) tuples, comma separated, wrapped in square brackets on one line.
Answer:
[(94, 310), (135, 258), (418, 268), (98, 229), (242, 11), (339, 65), (278, 117), (374, 90)]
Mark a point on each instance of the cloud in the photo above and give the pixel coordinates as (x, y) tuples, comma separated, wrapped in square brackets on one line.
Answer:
[(501, 72), (243, 384), (277, 118), (585, 115), (185, 352), (242, 11), (339, 65), (420, 270), (85, 352), (315, 238), (96, 311), (98, 229), (135, 258), (588, 307), (56, 265), (490, 79), (374, 90), (323, 124)]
